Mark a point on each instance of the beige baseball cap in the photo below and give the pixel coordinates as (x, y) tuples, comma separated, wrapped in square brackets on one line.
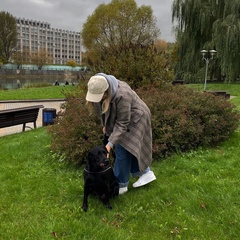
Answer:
[(97, 85)]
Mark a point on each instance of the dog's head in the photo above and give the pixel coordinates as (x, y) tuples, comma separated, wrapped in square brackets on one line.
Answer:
[(97, 158)]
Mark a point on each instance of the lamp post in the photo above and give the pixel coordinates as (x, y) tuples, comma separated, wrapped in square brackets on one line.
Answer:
[(207, 60)]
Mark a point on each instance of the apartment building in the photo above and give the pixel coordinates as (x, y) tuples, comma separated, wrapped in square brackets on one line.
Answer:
[(61, 45)]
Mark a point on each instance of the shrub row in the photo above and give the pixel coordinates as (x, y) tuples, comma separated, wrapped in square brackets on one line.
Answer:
[(182, 119)]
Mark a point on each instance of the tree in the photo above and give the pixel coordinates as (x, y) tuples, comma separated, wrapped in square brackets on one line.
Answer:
[(71, 63), (41, 58), (207, 24), (8, 35), (119, 39), (21, 56), (227, 40)]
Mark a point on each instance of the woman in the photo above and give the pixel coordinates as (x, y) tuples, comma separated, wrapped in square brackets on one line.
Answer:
[(127, 123)]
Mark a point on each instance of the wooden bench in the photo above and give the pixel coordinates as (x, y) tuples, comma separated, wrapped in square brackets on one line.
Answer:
[(17, 116), (222, 93), (178, 82)]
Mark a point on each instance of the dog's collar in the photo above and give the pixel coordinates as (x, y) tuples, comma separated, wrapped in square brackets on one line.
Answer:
[(105, 170)]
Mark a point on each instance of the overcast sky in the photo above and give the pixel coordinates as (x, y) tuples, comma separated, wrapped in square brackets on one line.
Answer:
[(71, 14)]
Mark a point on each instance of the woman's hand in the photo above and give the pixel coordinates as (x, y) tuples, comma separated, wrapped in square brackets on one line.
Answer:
[(108, 149)]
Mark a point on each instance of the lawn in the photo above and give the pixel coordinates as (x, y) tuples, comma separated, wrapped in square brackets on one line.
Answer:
[(195, 196), (51, 92)]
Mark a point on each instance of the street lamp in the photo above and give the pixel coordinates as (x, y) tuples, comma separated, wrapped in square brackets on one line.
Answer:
[(207, 60)]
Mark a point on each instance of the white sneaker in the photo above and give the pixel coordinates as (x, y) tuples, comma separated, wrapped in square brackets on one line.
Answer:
[(123, 190), (145, 179)]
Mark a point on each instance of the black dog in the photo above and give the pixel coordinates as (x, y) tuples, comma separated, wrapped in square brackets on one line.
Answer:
[(98, 177)]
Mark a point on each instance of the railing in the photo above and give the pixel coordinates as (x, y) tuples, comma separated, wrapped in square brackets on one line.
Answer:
[(15, 67)]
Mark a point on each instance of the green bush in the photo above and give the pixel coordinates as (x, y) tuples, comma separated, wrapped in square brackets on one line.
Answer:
[(182, 119), (76, 130)]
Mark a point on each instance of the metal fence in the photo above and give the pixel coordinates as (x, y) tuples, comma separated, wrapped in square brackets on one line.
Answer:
[(15, 67)]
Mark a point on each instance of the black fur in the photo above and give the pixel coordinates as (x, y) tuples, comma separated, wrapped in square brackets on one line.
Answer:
[(99, 178)]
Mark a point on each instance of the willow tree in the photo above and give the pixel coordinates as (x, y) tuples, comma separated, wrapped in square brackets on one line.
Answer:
[(207, 24), (8, 35), (227, 39), (119, 39)]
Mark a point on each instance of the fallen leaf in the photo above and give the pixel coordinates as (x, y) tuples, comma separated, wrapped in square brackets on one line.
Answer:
[(203, 205), (55, 234)]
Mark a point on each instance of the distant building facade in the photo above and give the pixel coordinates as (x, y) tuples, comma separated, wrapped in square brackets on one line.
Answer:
[(61, 45)]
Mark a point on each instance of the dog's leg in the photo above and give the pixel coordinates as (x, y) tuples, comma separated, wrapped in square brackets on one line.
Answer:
[(85, 199), (108, 205), (106, 198)]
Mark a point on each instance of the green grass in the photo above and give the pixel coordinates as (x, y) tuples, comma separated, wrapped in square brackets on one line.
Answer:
[(233, 89), (196, 196), (51, 92), (57, 91)]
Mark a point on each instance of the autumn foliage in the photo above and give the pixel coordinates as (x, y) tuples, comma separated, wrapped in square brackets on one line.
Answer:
[(182, 119)]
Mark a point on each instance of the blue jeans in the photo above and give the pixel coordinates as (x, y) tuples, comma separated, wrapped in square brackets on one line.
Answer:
[(125, 163)]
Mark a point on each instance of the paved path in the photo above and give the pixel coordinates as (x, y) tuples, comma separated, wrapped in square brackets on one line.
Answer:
[(16, 104)]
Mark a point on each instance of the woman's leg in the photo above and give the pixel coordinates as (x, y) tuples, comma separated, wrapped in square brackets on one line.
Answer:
[(125, 163), (122, 165), (135, 168)]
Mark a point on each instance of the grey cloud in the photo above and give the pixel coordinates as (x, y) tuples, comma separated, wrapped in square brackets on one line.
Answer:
[(71, 14)]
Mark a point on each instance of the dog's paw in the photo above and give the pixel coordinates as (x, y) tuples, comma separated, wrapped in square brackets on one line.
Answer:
[(84, 208), (108, 206)]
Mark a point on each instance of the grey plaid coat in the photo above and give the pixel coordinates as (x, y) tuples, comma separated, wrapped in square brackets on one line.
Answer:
[(128, 123)]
